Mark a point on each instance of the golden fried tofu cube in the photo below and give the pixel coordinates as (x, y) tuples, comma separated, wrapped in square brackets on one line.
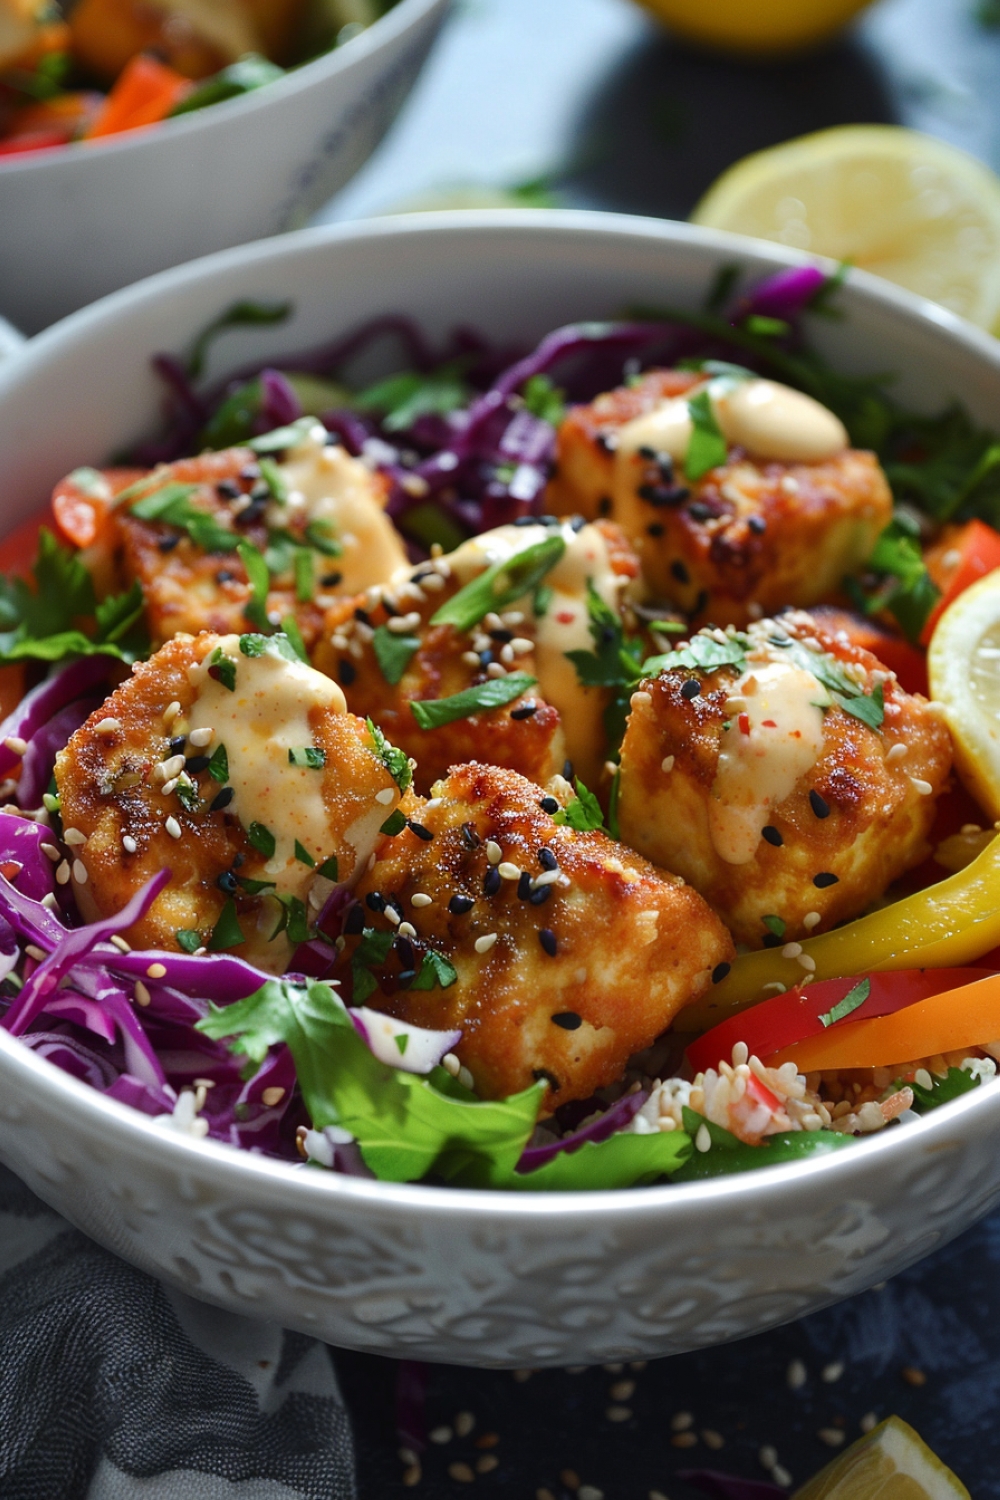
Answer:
[(781, 805), (751, 536), (571, 952), (363, 648), (236, 767)]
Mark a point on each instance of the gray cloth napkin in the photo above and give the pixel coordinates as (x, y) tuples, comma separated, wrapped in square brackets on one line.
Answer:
[(113, 1387)]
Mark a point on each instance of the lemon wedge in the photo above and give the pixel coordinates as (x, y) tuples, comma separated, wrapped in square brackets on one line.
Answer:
[(964, 667), (766, 26), (891, 1463), (908, 207)]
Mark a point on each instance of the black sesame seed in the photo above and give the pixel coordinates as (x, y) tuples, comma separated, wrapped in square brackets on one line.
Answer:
[(503, 636), (362, 615), (698, 511), (663, 494), (407, 956), (549, 805), (700, 602), (547, 859), (567, 770), (772, 940), (346, 671), (547, 938), (227, 489), (471, 837), (757, 524), (405, 978), (568, 1020), (654, 529), (525, 521), (330, 580), (691, 688), (420, 830), (260, 492), (239, 860), (525, 711), (819, 805), (607, 441), (459, 905), (648, 453), (719, 972), (524, 886), (374, 901), (196, 764), (227, 883), (771, 834), (222, 800), (542, 1075), (825, 878), (250, 513), (224, 576), (389, 607), (605, 505), (177, 744), (355, 920), (167, 543), (485, 658), (540, 895), (679, 571), (250, 471), (491, 881), (577, 523)]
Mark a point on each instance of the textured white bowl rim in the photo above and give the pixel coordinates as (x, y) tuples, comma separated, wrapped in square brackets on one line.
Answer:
[(933, 1132), (380, 33)]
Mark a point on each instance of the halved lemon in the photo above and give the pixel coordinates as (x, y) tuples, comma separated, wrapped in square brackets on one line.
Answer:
[(964, 667), (766, 26), (908, 207), (891, 1463)]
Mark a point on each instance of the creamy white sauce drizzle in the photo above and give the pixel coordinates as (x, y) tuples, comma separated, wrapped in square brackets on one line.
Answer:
[(775, 739), (326, 484), (769, 420), (565, 625), (259, 722)]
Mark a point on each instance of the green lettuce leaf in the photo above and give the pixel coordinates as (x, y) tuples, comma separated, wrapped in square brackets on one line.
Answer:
[(622, 1161), (729, 1154)]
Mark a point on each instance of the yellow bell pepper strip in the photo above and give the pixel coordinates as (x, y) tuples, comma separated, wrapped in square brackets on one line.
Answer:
[(964, 1017), (946, 925)]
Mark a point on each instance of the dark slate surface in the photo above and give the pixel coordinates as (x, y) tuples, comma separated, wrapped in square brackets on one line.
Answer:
[(592, 97)]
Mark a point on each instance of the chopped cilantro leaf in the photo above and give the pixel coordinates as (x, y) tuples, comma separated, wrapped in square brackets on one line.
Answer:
[(394, 823), (227, 931), (395, 761), (852, 1000), (290, 644), (393, 652), (303, 856), (188, 939), (329, 869), (774, 925), (435, 972), (292, 921), (582, 812), (371, 952), (218, 766), (222, 668), (187, 793), (307, 755), (171, 505), (544, 400), (262, 839)]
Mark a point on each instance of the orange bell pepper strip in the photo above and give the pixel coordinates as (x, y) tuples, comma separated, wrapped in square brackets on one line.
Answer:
[(145, 92), (961, 556), (964, 1017), (948, 924)]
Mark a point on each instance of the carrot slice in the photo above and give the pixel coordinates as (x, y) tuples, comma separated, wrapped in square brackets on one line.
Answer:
[(144, 93)]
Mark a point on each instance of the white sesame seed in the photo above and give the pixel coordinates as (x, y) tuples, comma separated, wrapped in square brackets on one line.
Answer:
[(781, 1476), (129, 844), (712, 1439), (520, 645), (667, 763), (172, 766), (79, 872), (741, 1053), (471, 658), (868, 1421), (767, 1456), (440, 1434), (808, 962), (493, 852), (791, 950), (200, 737), (681, 1421), (420, 898), (156, 971), (173, 828), (548, 877), (33, 951), (108, 726), (921, 787), (496, 669), (171, 711), (392, 916), (74, 836), (400, 624), (451, 1064), (407, 929), (62, 873), (464, 1423), (590, 1491), (923, 1079), (831, 1436), (831, 1373), (385, 796), (142, 995), (895, 752), (796, 1375), (169, 786), (15, 744), (508, 871), (507, 654), (703, 1141), (120, 943), (272, 1096), (811, 919), (485, 943), (432, 582), (49, 902), (51, 852)]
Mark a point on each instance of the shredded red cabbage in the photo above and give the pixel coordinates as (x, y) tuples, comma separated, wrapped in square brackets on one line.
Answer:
[(612, 1120), (46, 700), (729, 1487)]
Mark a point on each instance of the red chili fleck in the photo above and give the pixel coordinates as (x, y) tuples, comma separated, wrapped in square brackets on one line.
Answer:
[(10, 868), (769, 723), (565, 617), (744, 722)]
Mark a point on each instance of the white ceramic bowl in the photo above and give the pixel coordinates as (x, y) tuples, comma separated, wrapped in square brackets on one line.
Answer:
[(82, 221), (473, 1277)]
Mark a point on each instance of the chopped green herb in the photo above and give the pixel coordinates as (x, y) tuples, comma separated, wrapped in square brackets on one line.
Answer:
[(171, 505), (501, 584), (768, 328), (305, 578), (218, 766), (854, 998), (292, 921), (707, 448), (329, 869), (775, 925), (303, 856), (259, 578), (394, 823), (395, 761), (227, 931), (249, 72), (401, 399), (187, 793), (262, 839), (542, 599), (582, 812), (703, 653), (188, 939), (254, 887), (435, 972), (544, 400), (431, 713), (402, 1041), (307, 755), (292, 647), (241, 314), (273, 478), (292, 436), (393, 652), (319, 535), (904, 587), (223, 668), (371, 952)]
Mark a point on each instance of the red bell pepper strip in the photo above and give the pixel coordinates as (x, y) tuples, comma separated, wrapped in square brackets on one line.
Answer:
[(774, 1025), (978, 549)]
